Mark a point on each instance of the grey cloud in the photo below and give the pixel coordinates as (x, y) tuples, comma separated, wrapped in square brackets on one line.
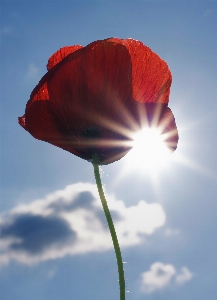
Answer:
[(116, 217), (70, 222), (85, 200), (35, 233), (82, 200)]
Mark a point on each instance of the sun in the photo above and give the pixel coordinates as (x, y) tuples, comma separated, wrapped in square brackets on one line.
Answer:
[(149, 154), (149, 150)]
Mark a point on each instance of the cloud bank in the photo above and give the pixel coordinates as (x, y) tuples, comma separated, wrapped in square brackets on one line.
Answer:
[(162, 275), (72, 222)]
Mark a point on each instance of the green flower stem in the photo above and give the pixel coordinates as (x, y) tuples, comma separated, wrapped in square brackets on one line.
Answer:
[(111, 226)]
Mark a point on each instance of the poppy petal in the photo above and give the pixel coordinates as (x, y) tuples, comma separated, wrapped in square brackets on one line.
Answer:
[(92, 97), (169, 129), (22, 122), (61, 54), (38, 119), (151, 77), (89, 88)]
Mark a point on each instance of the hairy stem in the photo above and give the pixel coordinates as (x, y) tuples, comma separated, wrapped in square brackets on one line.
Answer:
[(111, 226)]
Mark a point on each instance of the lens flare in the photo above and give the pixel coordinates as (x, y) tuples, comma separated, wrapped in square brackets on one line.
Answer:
[(149, 150)]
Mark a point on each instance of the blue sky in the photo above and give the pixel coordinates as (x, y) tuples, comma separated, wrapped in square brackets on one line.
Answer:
[(165, 220)]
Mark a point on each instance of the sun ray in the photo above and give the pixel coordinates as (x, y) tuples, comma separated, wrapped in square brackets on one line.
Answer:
[(195, 166), (151, 146), (133, 163)]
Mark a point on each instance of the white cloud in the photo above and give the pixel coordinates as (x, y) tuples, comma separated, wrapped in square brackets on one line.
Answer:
[(157, 278), (161, 276), (185, 275), (70, 222)]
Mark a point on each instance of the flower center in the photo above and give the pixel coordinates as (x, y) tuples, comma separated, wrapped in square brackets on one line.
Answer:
[(91, 132)]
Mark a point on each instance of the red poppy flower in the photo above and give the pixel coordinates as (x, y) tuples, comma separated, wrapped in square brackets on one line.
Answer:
[(93, 98)]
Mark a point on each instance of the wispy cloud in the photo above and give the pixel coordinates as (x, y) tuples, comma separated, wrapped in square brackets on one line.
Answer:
[(33, 71), (208, 13), (161, 276), (6, 30), (183, 276), (70, 222), (171, 232)]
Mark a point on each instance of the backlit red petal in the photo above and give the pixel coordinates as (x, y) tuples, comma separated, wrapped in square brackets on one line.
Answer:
[(151, 77), (61, 54), (93, 96), (22, 121), (92, 84), (169, 129)]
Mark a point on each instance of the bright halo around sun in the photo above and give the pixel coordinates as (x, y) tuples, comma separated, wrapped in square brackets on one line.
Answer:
[(149, 150)]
